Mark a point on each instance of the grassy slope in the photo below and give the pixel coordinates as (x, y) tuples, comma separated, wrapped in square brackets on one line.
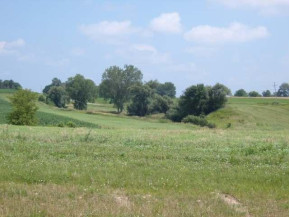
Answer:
[(135, 167)]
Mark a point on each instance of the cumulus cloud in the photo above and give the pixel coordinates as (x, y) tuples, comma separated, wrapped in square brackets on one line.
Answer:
[(235, 32), (11, 47), (264, 6), (167, 23), (109, 31)]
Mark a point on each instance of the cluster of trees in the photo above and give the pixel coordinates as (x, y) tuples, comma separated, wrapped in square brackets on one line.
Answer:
[(199, 100), (9, 84), (77, 88), (125, 89), (283, 91), (123, 86)]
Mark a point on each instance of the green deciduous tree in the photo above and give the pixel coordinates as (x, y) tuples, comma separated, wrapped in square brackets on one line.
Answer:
[(140, 100), (116, 83), (9, 84), (24, 108), (283, 90), (166, 89), (217, 97), (194, 100), (58, 95), (266, 93), (54, 83), (81, 90), (254, 94), (159, 104), (199, 100), (241, 92)]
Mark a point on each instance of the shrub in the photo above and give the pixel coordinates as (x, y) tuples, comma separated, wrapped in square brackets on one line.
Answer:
[(198, 120), (71, 124), (24, 108), (61, 124), (211, 125), (174, 114), (41, 98)]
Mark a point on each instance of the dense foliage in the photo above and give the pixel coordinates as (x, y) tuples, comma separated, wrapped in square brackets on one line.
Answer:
[(24, 108), (199, 99), (266, 93), (116, 83), (81, 90), (283, 90), (9, 84), (241, 92), (254, 94), (140, 100), (166, 89)]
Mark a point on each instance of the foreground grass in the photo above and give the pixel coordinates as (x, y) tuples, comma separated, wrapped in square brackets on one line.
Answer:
[(141, 167)]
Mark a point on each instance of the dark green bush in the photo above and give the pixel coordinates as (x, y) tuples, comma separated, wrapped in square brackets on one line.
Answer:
[(198, 120)]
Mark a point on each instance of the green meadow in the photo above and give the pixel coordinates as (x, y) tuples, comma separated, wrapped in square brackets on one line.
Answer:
[(116, 165)]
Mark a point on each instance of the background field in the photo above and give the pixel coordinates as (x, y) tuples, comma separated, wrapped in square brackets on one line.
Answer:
[(114, 165)]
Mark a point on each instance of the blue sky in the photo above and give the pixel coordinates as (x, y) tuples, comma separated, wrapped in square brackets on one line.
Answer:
[(240, 43)]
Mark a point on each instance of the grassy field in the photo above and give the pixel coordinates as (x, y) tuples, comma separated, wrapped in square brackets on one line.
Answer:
[(127, 166)]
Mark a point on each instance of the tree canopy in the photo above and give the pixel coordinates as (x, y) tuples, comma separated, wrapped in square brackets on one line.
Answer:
[(9, 84), (165, 89), (283, 90), (116, 83), (23, 108), (81, 90), (266, 93), (241, 92)]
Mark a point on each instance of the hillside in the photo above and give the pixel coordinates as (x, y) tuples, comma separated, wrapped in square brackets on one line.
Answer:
[(114, 165)]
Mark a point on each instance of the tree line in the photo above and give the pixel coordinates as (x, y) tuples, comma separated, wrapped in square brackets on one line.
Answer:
[(9, 84), (125, 89), (283, 91)]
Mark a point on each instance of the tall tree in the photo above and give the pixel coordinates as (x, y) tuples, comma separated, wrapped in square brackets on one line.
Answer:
[(58, 95), (217, 97), (116, 82), (81, 90), (283, 90), (194, 100), (140, 100)]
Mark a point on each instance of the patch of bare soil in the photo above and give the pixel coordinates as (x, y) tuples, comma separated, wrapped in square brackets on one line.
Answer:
[(235, 203)]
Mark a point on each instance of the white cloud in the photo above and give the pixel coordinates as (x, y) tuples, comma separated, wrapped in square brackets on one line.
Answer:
[(144, 48), (109, 31), (235, 32), (11, 47), (142, 54), (167, 23), (264, 6)]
